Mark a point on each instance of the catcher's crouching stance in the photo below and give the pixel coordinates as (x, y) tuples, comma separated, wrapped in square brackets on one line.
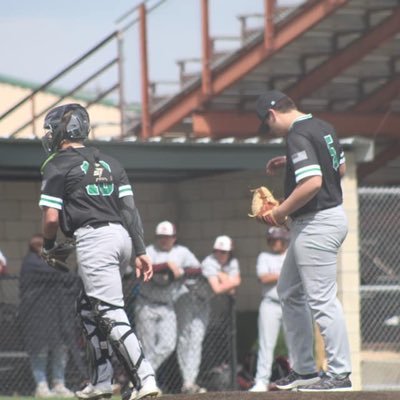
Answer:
[(88, 195), (263, 205)]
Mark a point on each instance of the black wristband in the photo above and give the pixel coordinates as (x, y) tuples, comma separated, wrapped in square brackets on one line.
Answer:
[(48, 243)]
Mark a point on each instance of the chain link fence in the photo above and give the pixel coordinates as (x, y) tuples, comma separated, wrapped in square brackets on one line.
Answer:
[(379, 217), (46, 314)]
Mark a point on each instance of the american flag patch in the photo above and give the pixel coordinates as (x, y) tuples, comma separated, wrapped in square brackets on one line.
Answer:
[(300, 156)]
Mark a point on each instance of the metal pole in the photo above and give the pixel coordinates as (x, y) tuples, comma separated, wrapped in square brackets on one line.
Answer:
[(33, 115), (121, 85), (146, 124), (206, 51), (269, 27), (232, 303)]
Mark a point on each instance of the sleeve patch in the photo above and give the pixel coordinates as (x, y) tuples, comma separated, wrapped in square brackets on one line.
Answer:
[(300, 156)]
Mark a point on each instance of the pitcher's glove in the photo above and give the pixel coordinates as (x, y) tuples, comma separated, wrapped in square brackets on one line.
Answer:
[(56, 256), (262, 205)]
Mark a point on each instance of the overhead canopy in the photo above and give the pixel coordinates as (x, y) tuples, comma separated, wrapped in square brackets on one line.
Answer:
[(21, 159)]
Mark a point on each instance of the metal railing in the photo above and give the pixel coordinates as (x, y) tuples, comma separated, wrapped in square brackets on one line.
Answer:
[(118, 84)]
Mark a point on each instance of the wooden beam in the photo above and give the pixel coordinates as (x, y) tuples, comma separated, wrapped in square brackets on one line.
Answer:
[(383, 158), (346, 57), (308, 15), (206, 50), (146, 119), (245, 124), (379, 97)]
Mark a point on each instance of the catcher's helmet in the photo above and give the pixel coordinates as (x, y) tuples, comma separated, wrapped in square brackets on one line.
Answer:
[(67, 122)]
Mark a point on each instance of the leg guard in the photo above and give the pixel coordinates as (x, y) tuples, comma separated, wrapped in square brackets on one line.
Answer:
[(97, 348), (114, 323)]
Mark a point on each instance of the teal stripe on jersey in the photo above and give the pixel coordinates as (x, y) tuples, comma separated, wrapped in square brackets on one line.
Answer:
[(125, 190), (310, 170), (50, 201)]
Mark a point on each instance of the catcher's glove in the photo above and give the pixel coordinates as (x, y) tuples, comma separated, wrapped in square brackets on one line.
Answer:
[(56, 256), (262, 205)]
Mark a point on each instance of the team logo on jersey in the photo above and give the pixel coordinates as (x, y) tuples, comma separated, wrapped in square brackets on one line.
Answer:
[(300, 156), (98, 173)]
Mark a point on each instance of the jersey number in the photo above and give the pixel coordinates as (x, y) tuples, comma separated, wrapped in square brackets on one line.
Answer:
[(332, 151), (98, 189)]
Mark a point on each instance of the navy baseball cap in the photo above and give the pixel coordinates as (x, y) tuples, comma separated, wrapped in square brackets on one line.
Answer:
[(264, 103)]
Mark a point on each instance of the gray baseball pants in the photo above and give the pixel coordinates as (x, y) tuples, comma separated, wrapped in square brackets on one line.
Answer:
[(307, 289), (192, 319), (156, 328), (102, 255)]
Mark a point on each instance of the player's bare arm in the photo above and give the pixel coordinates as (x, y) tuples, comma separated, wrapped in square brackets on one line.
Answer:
[(274, 165), (342, 170), (144, 267), (223, 283), (269, 278), (50, 222), (301, 195), (178, 272)]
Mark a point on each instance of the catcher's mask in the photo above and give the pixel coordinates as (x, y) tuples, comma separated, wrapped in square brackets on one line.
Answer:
[(67, 122)]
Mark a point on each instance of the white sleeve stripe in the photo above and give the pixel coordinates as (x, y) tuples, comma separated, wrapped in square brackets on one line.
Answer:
[(124, 187), (125, 193), (313, 167), (306, 174), (46, 203), (51, 198)]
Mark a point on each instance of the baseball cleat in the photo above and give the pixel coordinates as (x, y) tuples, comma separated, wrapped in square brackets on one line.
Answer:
[(147, 391), (328, 384), (95, 392), (259, 387), (293, 380)]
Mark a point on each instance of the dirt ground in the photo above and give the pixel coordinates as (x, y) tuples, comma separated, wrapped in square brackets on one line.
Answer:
[(395, 395)]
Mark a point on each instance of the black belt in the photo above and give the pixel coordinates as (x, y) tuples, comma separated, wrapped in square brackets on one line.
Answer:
[(96, 225)]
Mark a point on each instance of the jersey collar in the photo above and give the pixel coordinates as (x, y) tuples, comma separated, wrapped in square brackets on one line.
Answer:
[(301, 118)]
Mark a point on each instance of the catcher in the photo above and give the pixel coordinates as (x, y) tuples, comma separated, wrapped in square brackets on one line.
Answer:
[(88, 196)]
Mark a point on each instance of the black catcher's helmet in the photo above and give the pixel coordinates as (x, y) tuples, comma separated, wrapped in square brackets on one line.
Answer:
[(70, 122)]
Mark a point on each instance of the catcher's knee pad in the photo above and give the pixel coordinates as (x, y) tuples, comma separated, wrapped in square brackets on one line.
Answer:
[(98, 350), (114, 322)]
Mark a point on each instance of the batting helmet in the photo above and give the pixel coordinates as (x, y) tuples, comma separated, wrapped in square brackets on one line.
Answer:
[(67, 122), (275, 232)]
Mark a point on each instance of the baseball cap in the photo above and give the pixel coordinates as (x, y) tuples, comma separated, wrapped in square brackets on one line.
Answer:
[(223, 243), (264, 103), (165, 228), (275, 232)]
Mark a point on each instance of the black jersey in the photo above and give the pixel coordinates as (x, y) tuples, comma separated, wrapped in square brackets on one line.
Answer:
[(83, 200), (313, 149)]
